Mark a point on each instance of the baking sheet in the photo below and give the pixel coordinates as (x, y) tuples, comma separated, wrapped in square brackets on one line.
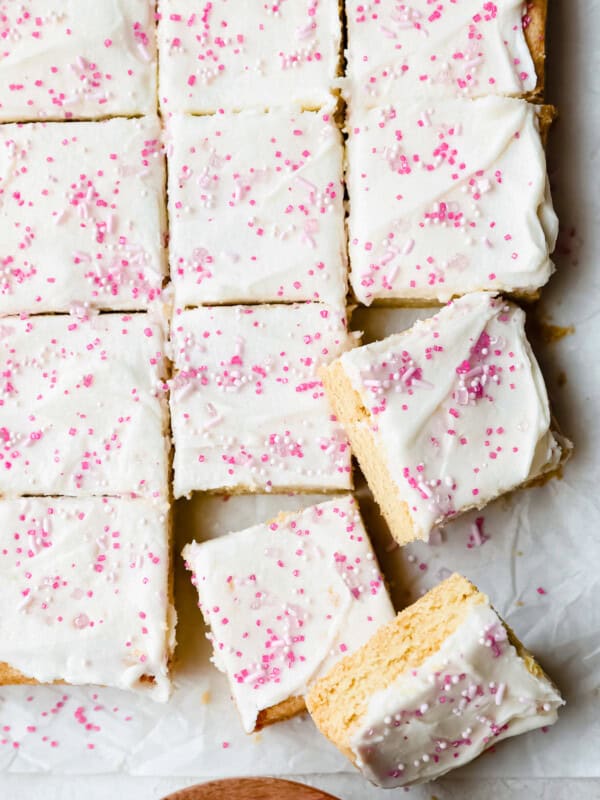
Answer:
[(540, 564)]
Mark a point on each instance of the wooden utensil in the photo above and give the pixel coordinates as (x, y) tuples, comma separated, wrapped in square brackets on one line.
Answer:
[(250, 789)]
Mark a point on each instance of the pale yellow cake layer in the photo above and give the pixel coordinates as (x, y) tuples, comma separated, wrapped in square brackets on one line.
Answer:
[(337, 701), (355, 420)]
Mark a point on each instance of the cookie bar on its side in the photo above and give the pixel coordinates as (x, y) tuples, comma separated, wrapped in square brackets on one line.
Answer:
[(77, 59), (83, 216), (446, 198), (85, 593), (83, 408), (432, 690), (285, 600), (256, 208), (460, 49), (446, 416), (248, 409)]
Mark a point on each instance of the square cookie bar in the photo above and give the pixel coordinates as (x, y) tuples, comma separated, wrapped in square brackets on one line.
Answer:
[(432, 690), (83, 218), (85, 592), (76, 59), (285, 600), (256, 208), (83, 409), (448, 198), (247, 54), (248, 409), (446, 416), (458, 49)]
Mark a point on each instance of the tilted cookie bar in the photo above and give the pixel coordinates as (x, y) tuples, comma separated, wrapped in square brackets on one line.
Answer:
[(285, 600), (432, 690), (447, 415)]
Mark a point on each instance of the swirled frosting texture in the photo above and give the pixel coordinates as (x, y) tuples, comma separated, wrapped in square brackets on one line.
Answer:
[(448, 197), (256, 208), (85, 591), (248, 407), (83, 216), (76, 59), (247, 54), (463, 48), (82, 406)]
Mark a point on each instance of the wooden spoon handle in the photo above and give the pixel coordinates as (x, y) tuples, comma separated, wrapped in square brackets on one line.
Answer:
[(250, 789)]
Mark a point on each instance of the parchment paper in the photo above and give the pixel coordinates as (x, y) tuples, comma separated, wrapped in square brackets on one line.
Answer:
[(540, 564)]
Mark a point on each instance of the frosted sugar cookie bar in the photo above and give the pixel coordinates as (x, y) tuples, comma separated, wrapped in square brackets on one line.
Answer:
[(448, 198), (446, 416), (76, 59), (256, 208), (248, 54), (83, 217), (468, 48), (248, 409), (432, 690), (285, 600), (82, 406), (85, 593)]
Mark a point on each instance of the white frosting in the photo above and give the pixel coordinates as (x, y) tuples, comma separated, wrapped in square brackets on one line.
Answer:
[(287, 599), (84, 593), (247, 54), (458, 408), (82, 406), (256, 208), (448, 198), (82, 215), (462, 48), (473, 692), (248, 409), (76, 59)]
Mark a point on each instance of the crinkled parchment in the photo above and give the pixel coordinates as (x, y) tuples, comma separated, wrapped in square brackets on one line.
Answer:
[(540, 564)]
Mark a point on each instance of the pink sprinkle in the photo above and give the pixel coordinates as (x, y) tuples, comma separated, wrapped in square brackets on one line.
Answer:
[(478, 535)]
